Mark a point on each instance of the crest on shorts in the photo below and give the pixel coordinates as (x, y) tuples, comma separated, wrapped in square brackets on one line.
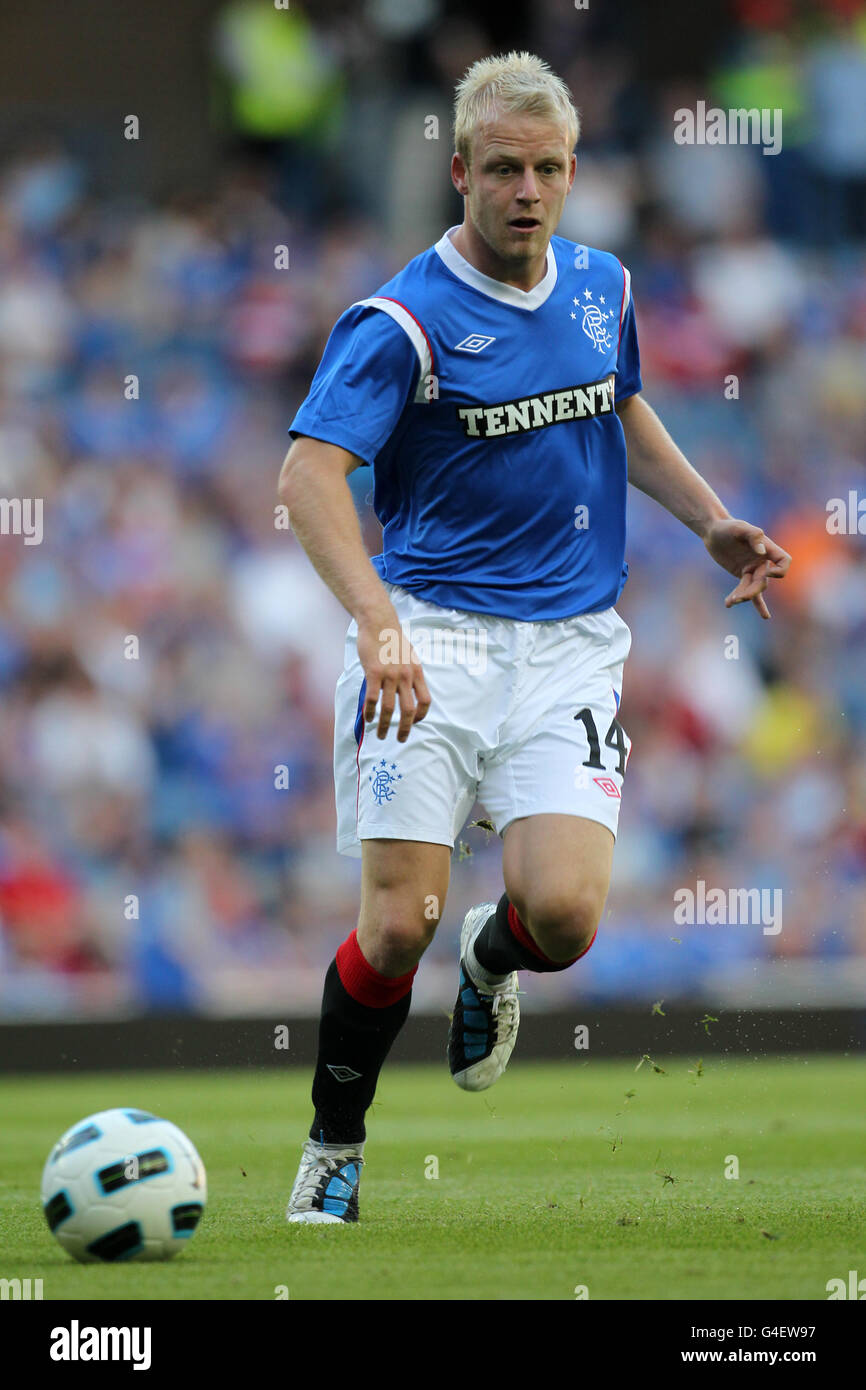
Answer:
[(383, 780)]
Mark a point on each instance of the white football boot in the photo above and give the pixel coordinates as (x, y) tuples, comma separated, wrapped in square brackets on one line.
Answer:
[(486, 1015), (326, 1188)]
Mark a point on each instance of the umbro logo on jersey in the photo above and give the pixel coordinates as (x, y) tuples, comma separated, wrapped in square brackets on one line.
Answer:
[(343, 1073), (476, 342)]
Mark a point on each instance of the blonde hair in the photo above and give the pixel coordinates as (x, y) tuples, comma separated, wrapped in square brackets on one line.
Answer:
[(513, 82)]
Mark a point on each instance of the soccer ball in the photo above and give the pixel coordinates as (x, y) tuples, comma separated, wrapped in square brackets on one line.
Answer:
[(123, 1185)]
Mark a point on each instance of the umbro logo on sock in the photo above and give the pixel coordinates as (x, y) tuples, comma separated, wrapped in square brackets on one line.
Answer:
[(343, 1073)]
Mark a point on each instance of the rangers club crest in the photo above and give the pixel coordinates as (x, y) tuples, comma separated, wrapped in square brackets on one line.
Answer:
[(383, 781), (595, 320)]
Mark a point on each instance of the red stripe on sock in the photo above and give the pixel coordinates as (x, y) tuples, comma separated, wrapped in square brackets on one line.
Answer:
[(522, 935), (365, 984)]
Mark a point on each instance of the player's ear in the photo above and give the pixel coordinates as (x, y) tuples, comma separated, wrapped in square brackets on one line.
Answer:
[(571, 169), (459, 174)]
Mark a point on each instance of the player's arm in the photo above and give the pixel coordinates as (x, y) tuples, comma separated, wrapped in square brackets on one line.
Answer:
[(322, 513), (658, 468), (312, 485)]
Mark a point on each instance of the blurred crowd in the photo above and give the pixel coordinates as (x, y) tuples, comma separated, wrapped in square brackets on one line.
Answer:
[(167, 653)]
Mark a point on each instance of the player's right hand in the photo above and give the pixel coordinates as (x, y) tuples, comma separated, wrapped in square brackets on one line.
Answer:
[(393, 672)]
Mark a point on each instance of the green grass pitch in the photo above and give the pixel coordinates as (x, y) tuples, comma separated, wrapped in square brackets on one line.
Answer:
[(581, 1174)]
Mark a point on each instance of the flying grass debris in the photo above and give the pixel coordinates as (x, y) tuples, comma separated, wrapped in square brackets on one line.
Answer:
[(655, 1066)]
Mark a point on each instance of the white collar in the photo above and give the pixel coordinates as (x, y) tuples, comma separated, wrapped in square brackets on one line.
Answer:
[(496, 289)]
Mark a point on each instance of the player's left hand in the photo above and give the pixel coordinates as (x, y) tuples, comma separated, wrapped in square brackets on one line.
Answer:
[(745, 551)]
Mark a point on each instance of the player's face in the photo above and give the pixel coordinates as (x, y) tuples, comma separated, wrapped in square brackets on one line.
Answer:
[(519, 175)]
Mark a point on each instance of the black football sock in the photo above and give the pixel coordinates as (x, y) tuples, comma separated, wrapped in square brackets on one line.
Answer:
[(355, 1037), (503, 944)]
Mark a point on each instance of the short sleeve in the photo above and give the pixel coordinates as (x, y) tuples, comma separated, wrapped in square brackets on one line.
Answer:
[(367, 375), (628, 381)]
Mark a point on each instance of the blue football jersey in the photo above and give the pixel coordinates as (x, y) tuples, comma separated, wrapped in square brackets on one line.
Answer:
[(487, 415)]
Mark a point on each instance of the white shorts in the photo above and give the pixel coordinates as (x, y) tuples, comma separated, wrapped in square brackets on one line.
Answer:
[(523, 717)]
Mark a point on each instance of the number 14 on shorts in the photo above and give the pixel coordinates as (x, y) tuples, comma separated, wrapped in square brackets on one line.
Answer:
[(615, 738)]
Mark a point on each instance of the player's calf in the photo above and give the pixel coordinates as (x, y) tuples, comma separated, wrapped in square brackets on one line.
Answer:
[(557, 876), (506, 943), (486, 1013), (365, 1002), (494, 944), (562, 930)]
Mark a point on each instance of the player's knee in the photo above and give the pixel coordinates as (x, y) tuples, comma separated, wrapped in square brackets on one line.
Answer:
[(563, 926), (396, 942)]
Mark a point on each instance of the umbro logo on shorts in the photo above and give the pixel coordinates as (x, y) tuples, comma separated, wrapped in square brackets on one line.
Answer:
[(476, 342), (607, 785)]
